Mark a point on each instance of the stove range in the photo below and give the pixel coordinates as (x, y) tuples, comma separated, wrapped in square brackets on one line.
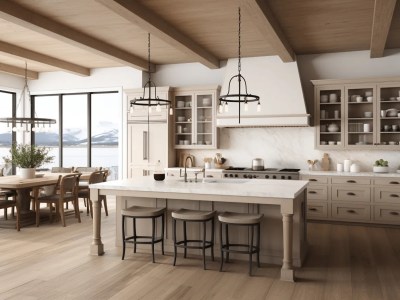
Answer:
[(268, 173)]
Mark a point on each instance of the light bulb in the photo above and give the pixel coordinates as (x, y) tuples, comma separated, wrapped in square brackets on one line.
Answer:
[(258, 107), (14, 129), (220, 108), (158, 107), (131, 110), (226, 108), (246, 106), (171, 111), (33, 129)]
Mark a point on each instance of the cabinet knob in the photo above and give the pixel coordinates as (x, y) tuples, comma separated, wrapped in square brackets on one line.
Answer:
[(394, 182), (312, 179), (394, 195), (351, 194), (351, 181), (312, 192), (312, 209), (394, 213), (351, 211)]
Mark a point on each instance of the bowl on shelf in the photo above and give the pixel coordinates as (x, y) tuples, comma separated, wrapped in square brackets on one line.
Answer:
[(369, 99), (331, 143), (392, 98), (206, 101), (180, 104), (181, 119), (368, 114), (391, 112), (208, 142)]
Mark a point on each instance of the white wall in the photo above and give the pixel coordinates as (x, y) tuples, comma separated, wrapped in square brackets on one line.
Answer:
[(10, 82), (288, 147)]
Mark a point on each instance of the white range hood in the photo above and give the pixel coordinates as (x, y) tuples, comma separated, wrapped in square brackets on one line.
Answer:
[(279, 87)]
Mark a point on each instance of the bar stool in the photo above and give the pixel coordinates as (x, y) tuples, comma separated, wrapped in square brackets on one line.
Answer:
[(187, 215), (140, 212), (240, 219)]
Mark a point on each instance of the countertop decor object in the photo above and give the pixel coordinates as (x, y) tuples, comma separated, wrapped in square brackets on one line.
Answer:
[(381, 166), (325, 162), (311, 164), (240, 97), (151, 100)]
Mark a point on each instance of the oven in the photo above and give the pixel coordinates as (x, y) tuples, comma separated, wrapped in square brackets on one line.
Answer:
[(268, 173)]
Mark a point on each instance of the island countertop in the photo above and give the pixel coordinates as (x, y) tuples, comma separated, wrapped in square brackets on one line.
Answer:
[(260, 188)]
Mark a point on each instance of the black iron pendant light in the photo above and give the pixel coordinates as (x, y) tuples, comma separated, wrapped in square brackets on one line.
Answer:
[(152, 100), (27, 124), (240, 97)]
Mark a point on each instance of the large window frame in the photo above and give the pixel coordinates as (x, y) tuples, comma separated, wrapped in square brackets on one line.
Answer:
[(13, 115), (60, 117)]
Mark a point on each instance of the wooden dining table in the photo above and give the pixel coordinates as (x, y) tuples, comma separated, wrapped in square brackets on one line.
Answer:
[(23, 187)]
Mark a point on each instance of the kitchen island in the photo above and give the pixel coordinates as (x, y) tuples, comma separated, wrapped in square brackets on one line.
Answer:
[(283, 231)]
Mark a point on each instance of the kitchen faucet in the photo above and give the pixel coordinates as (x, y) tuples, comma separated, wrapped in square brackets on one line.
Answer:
[(188, 157)]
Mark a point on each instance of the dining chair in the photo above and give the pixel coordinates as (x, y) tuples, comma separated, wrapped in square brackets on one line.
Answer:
[(87, 169), (68, 193), (5, 203), (61, 170), (84, 191)]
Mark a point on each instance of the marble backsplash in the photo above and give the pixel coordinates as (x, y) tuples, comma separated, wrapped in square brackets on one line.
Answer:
[(285, 147)]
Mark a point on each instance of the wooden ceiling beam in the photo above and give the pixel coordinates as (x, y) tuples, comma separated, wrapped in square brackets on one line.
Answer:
[(18, 71), (44, 59), (21, 16), (266, 23), (136, 13), (383, 14)]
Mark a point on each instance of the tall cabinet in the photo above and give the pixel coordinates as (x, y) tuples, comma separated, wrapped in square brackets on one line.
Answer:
[(148, 136), (357, 114)]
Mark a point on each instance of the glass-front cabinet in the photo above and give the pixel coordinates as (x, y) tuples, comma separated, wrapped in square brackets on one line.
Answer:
[(195, 110), (357, 114)]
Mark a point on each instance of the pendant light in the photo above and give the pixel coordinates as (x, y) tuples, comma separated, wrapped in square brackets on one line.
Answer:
[(240, 97), (152, 100), (27, 124)]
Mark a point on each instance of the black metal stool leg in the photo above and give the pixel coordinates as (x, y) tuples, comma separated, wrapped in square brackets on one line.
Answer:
[(185, 239), (174, 236), (258, 245), (134, 235), (153, 234), (212, 239), (123, 237), (222, 246), (251, 248), (162, 233), (204, 243), (227, 241)]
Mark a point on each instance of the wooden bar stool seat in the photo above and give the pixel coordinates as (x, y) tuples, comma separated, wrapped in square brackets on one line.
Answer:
[(240, 219), (187, 215), (141, 212)]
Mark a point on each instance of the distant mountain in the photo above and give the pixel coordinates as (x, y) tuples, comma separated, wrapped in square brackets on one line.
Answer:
[(5, 139), (51, 139)]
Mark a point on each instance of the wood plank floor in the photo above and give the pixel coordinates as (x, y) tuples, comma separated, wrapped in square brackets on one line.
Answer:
[(52, 262)]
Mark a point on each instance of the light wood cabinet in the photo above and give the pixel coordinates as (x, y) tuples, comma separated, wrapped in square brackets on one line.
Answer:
[(195, 122), (353, 199), (357, 114)]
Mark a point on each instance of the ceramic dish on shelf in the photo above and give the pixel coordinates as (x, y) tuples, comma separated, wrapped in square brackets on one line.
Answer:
[(181, 119), (391, 112)]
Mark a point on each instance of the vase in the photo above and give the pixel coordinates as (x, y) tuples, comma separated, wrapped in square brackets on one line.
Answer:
[(27, 173)]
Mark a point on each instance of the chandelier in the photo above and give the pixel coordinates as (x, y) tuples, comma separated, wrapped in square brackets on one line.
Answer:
[(27, 124), (152, 100), (240, 97)]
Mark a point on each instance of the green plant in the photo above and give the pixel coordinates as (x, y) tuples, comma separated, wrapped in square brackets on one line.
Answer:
[(27, 156), (381, 163)]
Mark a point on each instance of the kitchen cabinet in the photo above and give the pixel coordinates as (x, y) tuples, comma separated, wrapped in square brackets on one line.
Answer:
[(195, 111), (149, 139), (357, 114), (353, 198)]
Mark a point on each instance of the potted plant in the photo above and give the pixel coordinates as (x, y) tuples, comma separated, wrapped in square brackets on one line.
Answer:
[(381, 166), (28, 158)]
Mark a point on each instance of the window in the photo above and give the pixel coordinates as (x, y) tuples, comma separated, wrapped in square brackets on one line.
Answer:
[(7, 136), (87, 129)]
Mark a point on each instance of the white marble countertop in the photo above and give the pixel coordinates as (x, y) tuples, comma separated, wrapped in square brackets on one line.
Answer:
[(335, 173), (282, 189)]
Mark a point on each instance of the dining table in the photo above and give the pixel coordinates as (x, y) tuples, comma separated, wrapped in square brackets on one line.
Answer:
[(23, 187)]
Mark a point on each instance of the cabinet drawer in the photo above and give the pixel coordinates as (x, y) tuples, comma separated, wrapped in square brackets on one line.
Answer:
[(388, 195), (387, 214), (315, 179), (317, 192), (351, 193), (350, 180), (351, 212), (317, 210), (387, 181)]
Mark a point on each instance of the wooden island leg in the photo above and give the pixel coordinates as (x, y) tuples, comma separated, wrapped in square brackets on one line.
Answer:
[(97, 247), (287, 272)]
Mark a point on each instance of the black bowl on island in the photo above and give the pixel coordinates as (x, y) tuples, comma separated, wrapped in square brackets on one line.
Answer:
[(159, 176)]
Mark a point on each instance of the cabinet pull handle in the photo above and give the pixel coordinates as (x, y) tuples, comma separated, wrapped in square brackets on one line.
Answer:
[(351, 211), (351, 181), (394, 195), (351, 194), (394, 182), (145, 145), (312, 179), (312, 192), (394, 213), (312, 209)]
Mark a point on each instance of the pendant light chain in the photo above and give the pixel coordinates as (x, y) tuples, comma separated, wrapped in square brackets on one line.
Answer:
[(240, 58), (148, 57)]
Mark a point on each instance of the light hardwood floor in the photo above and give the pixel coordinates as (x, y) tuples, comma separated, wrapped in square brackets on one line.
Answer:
[(52, 262)]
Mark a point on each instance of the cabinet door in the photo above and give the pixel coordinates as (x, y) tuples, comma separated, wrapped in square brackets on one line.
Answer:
[(183, 130), (138, 135), (329, 114), (360, 110), (204, 126), (388, 120)]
